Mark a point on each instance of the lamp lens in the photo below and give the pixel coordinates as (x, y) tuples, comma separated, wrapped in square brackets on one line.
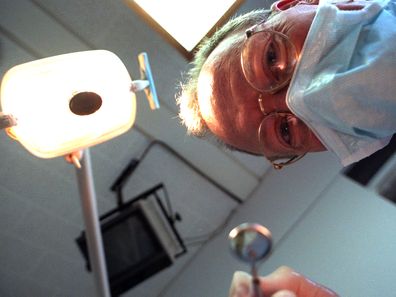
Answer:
[(85, 103)]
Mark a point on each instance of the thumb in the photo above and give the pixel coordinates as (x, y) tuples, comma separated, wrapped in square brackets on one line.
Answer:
[(240, 285)]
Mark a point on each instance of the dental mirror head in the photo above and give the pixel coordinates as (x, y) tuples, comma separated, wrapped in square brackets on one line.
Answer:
[(250, 242)]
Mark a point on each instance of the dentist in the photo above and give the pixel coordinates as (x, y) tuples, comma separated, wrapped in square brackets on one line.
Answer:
[(302, 77)]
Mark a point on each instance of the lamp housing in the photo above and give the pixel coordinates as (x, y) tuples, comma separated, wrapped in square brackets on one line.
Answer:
[(68, 102)]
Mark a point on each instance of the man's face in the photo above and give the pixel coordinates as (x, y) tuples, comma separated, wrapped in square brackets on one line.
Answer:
[(229, 105)]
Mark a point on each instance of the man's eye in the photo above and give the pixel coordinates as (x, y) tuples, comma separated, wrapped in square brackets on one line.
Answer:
[(272, 61), (271, 55), (285, 130)]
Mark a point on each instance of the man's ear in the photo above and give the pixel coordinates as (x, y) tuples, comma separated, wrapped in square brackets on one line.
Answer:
[(286, 4)]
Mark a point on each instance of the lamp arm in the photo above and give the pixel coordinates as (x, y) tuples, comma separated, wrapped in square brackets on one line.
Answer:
[(7, 121), (92, 225)]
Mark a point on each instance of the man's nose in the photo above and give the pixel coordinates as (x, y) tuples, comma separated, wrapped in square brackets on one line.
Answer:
[(270, 103)]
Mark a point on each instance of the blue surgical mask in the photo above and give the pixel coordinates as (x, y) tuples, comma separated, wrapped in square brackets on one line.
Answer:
[(344, 86)]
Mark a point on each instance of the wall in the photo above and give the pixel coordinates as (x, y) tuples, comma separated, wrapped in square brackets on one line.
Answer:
[(323, 224)]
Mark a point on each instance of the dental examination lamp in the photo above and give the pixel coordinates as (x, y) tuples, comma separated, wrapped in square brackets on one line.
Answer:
[(61, 106)]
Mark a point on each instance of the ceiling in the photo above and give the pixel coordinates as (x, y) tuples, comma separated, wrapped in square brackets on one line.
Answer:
[(40, 206)]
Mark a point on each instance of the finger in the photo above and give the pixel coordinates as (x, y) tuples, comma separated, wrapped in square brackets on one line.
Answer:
[(284, 293), (284, 278), (240, 284)]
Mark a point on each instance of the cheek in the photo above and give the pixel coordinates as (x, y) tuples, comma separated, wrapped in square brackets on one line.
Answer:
[(299, 34), (295, 23)]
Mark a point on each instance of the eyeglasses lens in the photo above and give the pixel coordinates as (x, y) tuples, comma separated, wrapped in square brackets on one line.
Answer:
[(268, 60), (277, 128)]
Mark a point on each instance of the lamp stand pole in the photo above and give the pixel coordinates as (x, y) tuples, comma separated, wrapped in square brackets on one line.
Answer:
[(92, 226)]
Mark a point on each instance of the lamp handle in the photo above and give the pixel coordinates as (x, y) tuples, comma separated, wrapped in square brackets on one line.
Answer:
[(7, 121), (75, 158)]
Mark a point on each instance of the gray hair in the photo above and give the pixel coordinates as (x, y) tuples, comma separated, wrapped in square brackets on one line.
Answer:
[(187, 100)]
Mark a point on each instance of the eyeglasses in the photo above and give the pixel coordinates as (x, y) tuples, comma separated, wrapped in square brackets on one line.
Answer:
[(268, 59), (280, 124)]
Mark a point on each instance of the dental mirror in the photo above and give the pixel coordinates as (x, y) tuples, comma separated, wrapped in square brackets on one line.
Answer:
[(251, 243)]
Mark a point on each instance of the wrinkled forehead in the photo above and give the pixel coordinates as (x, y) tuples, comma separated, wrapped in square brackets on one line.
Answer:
[(222, 93), (214, 77), (227, 50)]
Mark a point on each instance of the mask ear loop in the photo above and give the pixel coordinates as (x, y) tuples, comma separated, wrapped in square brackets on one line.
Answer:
[(282, 5)]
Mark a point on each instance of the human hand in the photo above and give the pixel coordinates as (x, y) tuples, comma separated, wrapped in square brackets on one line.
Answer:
[(283, 282)]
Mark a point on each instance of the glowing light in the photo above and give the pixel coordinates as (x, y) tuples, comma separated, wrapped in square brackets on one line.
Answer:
[(68, 102), (187, 21)]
